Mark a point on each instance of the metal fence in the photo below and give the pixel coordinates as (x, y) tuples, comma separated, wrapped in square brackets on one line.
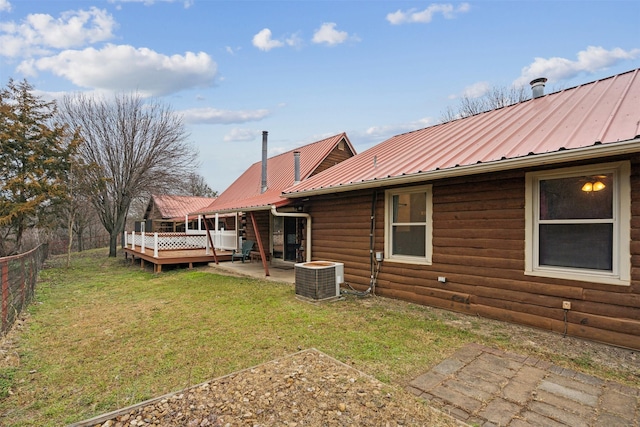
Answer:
[(18, 276)]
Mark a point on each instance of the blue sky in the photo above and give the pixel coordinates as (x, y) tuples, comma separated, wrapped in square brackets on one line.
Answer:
[(304, 70)]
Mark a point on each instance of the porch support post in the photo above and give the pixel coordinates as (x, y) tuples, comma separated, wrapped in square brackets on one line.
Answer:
[(206, 226), (186, 223), (133, 240), (199, 222), (155, 245), (143, 242), (262, 254)]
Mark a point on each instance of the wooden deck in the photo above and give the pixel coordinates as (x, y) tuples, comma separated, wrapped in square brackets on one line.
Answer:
[(173, 257)]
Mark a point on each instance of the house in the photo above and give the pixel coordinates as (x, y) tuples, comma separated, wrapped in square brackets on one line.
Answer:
[(167, 213), (276, 224), (528, 214)]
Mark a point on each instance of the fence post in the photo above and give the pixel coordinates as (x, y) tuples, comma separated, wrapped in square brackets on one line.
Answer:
[(155, 245), (23, 279), (5, 293)]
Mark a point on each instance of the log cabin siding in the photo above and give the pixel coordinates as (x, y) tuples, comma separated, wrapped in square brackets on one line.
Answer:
[(336, 156), (263, 221), (479, 246)]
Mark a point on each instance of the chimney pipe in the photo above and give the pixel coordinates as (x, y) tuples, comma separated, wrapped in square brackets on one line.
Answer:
[(296, 167), (537, 87), (263, 186)]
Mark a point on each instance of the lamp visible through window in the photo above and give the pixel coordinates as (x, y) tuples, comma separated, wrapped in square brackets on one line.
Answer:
[(593, 186)]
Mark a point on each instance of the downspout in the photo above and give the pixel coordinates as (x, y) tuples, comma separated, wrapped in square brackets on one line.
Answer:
[(298, 215)]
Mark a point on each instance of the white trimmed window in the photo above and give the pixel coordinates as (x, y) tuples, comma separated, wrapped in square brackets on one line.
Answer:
[(408, 228), (578, 223)]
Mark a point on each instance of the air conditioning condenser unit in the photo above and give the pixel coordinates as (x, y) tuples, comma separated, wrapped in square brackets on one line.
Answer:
[(319, 280)]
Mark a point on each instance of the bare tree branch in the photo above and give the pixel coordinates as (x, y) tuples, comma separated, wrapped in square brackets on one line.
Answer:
[(135, 148)]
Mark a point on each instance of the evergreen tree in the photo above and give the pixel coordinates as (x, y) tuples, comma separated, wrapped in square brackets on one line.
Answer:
[(34, 158)]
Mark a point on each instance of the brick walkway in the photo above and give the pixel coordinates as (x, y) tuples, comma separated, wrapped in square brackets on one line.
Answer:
[(488, 387)]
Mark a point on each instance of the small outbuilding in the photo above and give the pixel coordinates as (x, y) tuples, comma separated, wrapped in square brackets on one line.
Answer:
[(168, 213)]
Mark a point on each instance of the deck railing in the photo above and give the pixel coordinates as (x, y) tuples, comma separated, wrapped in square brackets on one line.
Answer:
[(155, 242)]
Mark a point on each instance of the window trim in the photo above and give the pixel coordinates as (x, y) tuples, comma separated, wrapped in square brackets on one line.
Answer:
[(388, 221), (621, 273)]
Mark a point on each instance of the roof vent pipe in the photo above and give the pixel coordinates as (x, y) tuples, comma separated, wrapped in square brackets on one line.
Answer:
[(537, 87), (296, 167), (263, 186)]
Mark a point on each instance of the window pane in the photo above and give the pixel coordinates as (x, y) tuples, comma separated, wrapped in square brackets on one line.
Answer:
[(409, 240), (410, 207), (577, 246), (567, 198)]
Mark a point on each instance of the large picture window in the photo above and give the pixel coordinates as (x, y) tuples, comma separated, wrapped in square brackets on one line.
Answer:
[(578, 223), (408, 224)]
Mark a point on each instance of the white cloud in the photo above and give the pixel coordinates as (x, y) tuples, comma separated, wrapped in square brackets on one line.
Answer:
[(263, 40), (238, 135), (425, 16), (385, 132), (215, 116), (40, 33), (591, 60), (187, 3), (5, 6), (125, 68), (476, 90), (328, 34), (294, 41)]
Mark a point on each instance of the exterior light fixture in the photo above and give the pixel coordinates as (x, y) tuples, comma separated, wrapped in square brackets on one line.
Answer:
[(588, 187)]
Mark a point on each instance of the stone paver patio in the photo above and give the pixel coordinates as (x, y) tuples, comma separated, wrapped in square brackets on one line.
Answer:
[(488, 387)]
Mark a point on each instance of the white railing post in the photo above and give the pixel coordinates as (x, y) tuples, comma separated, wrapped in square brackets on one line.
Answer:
[(142, 242), (206, 243), (155, 245), (199, 222), (133, 240)]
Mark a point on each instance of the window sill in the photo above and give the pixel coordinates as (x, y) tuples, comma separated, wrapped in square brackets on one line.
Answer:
[(413, 261), (570, 275)]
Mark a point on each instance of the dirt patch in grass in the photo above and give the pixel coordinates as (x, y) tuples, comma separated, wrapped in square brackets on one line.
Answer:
[(308, 388)]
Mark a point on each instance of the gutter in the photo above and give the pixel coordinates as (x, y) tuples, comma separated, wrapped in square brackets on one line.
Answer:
[(561, 156), (298, 215)]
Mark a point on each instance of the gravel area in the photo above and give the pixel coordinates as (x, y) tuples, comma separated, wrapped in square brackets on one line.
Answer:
[(307, 388)]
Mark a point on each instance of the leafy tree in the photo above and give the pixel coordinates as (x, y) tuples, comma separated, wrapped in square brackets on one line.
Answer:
[(132, 148), (34, 157), (496, 97)]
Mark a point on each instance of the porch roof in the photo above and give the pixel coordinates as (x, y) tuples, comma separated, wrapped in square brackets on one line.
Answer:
[(174, 208), (244, 194), (593, 120)]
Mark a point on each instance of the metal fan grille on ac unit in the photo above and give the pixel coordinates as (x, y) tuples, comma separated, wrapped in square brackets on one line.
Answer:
[(316, 283)]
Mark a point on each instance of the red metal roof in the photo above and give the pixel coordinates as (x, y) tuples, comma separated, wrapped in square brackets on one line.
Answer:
[(590, 116), (173, 207), (244, 193)]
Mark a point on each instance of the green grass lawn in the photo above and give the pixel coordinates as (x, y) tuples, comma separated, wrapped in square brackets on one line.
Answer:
[(103, 335)]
